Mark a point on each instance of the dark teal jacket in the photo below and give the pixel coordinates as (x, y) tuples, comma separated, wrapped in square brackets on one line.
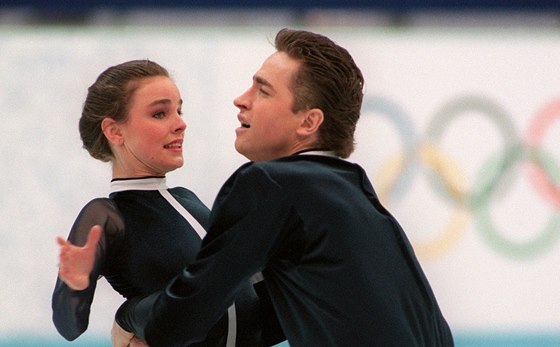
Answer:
[(337, 266)]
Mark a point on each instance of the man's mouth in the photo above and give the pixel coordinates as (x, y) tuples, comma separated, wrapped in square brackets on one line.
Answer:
[(245, 125)]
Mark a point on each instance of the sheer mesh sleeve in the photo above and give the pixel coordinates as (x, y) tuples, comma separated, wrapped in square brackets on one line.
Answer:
[(71, 308)]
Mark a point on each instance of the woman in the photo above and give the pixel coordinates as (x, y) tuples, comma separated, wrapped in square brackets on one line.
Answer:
[(144, 233)]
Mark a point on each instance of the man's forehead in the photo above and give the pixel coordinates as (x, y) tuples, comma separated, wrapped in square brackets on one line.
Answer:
[(277, 68)]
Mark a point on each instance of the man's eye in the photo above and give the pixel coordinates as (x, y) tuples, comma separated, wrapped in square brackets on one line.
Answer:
[(263, 92), (159, 115)]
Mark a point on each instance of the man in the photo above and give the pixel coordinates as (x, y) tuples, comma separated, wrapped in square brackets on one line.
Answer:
[(337, 266)]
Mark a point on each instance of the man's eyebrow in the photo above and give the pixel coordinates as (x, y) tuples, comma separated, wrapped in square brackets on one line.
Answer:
[(262, 81)]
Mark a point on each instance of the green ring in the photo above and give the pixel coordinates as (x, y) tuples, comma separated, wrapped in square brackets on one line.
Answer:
[(452, 110), (491, 175)]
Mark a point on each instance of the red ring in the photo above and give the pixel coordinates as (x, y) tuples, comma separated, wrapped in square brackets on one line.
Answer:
[(543, 182)]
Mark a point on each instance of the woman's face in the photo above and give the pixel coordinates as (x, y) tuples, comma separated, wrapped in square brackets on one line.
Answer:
[(152, 135)]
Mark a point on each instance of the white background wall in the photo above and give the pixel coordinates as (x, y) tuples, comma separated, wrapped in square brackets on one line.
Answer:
[(47, 177)]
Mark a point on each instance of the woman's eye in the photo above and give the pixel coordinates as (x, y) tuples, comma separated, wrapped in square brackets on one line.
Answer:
[(180, 112), (159, 115)]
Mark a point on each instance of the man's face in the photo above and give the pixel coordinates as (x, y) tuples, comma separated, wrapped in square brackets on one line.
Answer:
[(268, 125)]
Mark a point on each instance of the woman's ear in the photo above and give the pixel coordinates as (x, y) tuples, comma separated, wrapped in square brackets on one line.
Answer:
[(311, 122), (112, 131)]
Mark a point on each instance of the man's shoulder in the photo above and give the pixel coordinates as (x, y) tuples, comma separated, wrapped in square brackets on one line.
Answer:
[(300, 163), (276, 166), (295, 166)]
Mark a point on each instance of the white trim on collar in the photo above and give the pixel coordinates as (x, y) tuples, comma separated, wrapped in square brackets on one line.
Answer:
[(149, 183), (323, 153)]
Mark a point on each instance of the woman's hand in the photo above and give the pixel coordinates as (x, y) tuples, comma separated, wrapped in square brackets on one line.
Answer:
[(76, 263), (136, 342), (119, 336), (123, 338)]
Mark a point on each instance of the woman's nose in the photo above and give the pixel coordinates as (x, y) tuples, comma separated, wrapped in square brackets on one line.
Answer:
[(181, 125)]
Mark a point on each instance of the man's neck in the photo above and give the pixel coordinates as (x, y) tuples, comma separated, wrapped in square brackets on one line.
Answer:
[(316, 151)]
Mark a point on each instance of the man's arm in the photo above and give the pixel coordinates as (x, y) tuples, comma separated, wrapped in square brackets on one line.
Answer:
[(272, 333), (132, 316), (246, 224)]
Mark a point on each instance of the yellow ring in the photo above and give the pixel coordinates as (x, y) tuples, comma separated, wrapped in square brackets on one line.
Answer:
[(441, 165)]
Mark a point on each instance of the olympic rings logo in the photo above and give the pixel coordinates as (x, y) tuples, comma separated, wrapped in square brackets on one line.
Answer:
[(446, 179)]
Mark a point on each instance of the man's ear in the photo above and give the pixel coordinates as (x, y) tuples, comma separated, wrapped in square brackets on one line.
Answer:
[(311, 122), (112, 131)]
